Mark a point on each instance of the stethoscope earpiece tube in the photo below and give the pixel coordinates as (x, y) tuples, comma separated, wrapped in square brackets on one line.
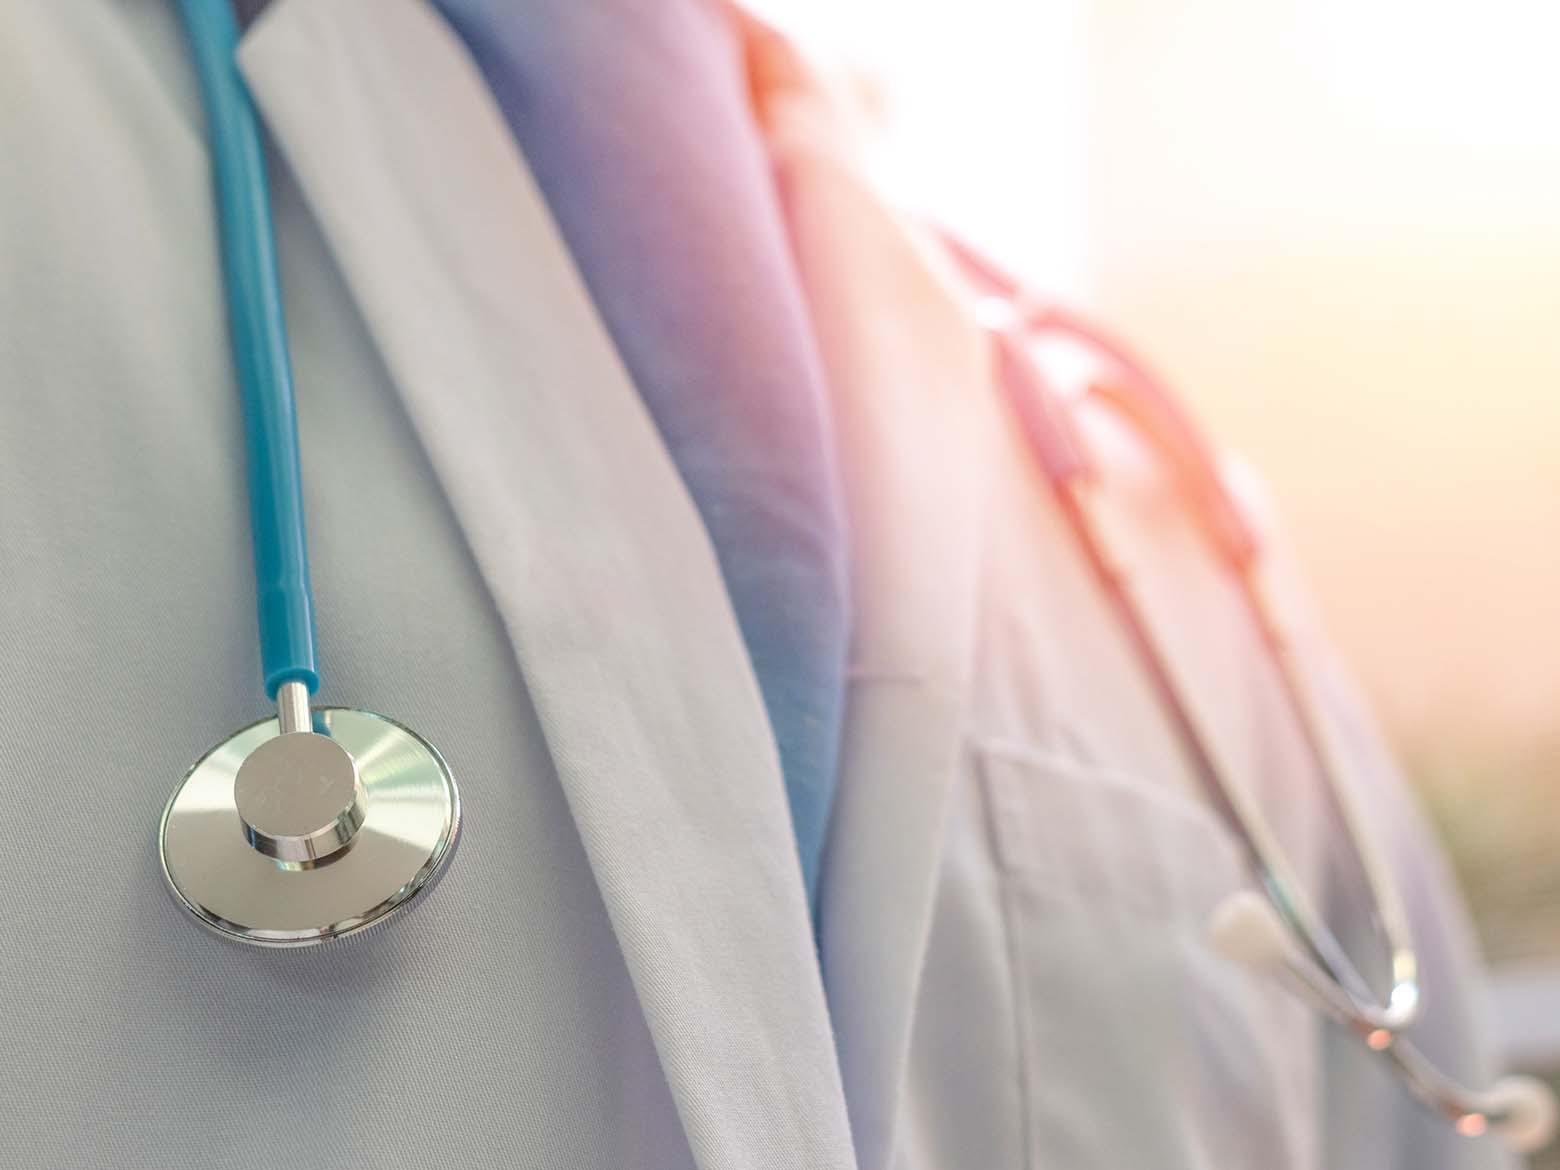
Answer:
[(283, 597)]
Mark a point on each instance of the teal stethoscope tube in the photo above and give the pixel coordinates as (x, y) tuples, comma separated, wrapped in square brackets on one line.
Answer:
[(282, 594)]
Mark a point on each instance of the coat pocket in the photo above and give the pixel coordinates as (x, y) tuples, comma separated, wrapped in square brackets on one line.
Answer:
[(1141, 1047)]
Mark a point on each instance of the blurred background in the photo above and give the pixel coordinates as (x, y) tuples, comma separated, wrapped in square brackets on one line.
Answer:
[(1335, 226)]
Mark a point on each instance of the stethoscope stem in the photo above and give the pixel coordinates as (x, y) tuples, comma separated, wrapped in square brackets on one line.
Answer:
[(292, 707)]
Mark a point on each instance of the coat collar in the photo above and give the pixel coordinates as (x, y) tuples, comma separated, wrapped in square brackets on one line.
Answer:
[(594, 555), (907, 366)]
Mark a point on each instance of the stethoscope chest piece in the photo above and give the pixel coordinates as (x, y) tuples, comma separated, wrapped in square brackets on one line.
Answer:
[(290, 839)]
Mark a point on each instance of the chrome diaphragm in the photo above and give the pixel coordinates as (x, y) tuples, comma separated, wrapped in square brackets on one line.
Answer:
[(291, 839)]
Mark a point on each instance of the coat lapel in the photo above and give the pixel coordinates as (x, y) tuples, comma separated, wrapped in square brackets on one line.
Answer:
[(906, 367), (592, 550)]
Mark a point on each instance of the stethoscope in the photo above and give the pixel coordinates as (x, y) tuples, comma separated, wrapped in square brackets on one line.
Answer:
[(317, 823), (1278, 931)]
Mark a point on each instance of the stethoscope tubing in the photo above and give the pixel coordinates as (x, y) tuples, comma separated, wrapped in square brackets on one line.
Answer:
[(260, 349), (1300, 949), (1012, 319)]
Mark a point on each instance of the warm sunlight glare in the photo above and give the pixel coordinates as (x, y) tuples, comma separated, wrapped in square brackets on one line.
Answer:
[(1333, 223)]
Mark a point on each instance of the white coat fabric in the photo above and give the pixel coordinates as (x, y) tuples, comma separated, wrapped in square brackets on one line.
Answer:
[(618, 970)]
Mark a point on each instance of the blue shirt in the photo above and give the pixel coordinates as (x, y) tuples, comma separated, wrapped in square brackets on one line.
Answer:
[(635, 120)]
